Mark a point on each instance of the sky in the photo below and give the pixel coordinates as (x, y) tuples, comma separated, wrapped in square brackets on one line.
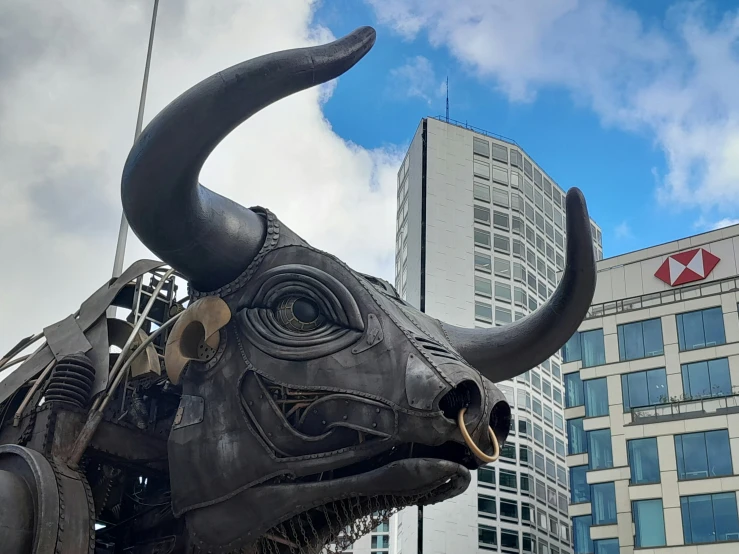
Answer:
[(633, 102)]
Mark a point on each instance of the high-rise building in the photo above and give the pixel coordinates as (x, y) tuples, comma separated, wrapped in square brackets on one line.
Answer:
[(480, 242), (652, 402)]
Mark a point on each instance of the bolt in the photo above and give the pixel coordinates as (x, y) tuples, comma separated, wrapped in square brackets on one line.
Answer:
[(374, 425), (344, 418)]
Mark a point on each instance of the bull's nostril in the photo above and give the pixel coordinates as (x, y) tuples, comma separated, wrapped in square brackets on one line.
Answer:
[(464, 395), (500, 421)]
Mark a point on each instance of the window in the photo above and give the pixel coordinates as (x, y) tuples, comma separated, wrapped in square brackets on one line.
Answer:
[(644, 388), (508, 452), (537, 177), (536, 380), (539, 461), (480, 147), (507, 479), (500, 153), (482, 238), (700, 329), (517, 226), (559, 447), (481, 191), (649, 523), (483, 311), (483, 286), (380, 541), (482, 262), (486, 476), (707, 378), (500, 197), (596, 397), (709, 518), (487, 536), (606, 546), (537, 406), (579, 488), (508, 509), (481, 169), (703, 455), (603, 498), (528, 190), (538, 433), (539, 202), (524, 426), (519, 296), (576, 439), (556, 370), (525, 483), (573, 390), (515, 179), (527, 168), (562, 475), (587, 346), (551, 470), (509, 540), (500, 175), (559, 422), (501, 243), (486, 506), (503, 315), (519, 249), (500, 220), (562, 501), (581, 534), (482, 215), (549, 441), (502, 267), (517, 202), (525, 455), (548, 414), (516, 159), (503, 291), (600, 453), (643, 461), (641, 339), (557, 396)]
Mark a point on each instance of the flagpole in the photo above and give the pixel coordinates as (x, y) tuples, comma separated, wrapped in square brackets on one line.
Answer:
[(120, 250)]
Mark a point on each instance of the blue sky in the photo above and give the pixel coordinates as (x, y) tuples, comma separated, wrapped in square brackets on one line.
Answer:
[(574, 131)]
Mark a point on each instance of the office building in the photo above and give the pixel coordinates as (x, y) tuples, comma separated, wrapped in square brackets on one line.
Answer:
[(651, 406), (480, 240)]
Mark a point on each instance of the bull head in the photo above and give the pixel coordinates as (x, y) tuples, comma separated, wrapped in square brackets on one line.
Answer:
[(313, 395)]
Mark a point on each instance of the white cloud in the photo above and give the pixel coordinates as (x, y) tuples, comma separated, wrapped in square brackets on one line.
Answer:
[(623, 231), (70, 78), (676, 79), (726, 222), (416, 79)]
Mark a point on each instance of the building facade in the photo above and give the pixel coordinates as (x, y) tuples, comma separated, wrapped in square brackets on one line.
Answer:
[(651, 402), (480, 241)]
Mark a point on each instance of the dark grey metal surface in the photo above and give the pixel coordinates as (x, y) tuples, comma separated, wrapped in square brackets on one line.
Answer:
[(16, 514), (66, 337)]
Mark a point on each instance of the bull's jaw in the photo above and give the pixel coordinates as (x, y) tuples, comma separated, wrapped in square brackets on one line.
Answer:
[(270, 511)]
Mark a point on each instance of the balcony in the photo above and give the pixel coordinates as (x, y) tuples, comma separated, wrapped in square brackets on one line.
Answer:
[(687, 408)]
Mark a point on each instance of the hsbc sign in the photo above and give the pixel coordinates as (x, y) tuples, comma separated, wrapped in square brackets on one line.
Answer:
[(686, 267)]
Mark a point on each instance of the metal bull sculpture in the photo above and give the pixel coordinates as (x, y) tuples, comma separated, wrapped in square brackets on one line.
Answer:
[(301, 402)]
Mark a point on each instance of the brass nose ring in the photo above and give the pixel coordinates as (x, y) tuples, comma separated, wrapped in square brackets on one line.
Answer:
[(471, 444)]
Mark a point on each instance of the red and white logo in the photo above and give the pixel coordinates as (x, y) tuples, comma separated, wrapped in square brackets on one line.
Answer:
[(687, 267)]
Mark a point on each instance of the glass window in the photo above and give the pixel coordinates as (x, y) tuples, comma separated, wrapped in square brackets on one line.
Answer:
[(537, 406), (644, 388), (538, 433), (515, 179), (482, 238), (500, 220), (549, 441), (519, 249), (649, 523), (551, 470), (527, 168), (525, 483), (519, 296), (603, 498), (481, 191), (509, 539), (539, 201), (559, 447), (606, 546), (596, 397), (486, 476), (508, 451), (600, 453), (576, 439), (557, 396), (482, 262), (703, 455), (508, 509), (483, 286), (501, 243), (502, 267), (536, 380), (537, 177), (707, 378), (486, 505), (500, 175), (573, 390), (517, 202), (503, 315), (380, 541), (503, 291), (548, 414), (643, 461), (539, 461), (559, 422), (481, 169), (500, 197), (487, 535), (581, 534), (709, 518), (700, 329), (508, 479), (517, 227), (500, 153), (516, 159), (483, 311), (587, 346), (482, 214), (579, 488), (640, 339), (556, 370), (480, 147), (561, 475)]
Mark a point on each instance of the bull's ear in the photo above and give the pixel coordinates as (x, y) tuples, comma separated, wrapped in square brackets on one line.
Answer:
[(196, 335)]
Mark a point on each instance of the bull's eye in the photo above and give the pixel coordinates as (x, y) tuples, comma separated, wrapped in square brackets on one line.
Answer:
[(299, 314)]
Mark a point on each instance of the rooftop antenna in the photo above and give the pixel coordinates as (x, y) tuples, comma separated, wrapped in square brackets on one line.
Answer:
[(447, 98)]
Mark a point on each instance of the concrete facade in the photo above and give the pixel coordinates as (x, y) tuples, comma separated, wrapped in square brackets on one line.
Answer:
[(652, 407)]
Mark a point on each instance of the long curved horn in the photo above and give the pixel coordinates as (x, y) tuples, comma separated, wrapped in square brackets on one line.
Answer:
[(208, 238), (503, 352)]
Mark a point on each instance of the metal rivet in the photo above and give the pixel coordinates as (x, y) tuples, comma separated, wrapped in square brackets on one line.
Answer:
[(344, 418), (374, 425), (323, 423), (377, 410)]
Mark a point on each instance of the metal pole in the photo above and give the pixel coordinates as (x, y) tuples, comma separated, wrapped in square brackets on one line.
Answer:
[(120, 249)]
